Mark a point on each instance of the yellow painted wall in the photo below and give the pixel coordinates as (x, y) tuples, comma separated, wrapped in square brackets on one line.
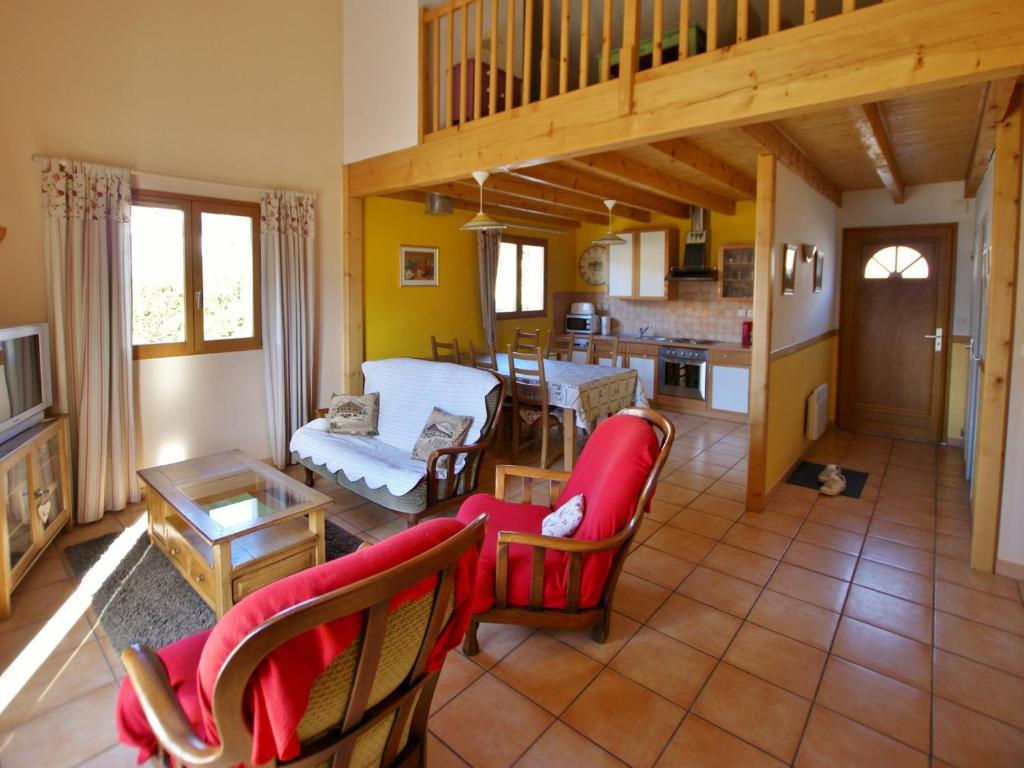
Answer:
[(956, 395), (400, 321), (725, 230), (790, 380)]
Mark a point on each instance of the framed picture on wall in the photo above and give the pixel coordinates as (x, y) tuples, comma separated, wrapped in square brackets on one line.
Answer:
[(417, 265), (789, 255), (819, 270)]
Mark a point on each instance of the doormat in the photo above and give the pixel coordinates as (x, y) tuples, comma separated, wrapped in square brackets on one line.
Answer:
[(145, 600), (806, 476)]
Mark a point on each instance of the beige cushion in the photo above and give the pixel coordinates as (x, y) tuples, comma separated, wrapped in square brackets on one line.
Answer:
[(565, 520), (442, 430), (353, 414)]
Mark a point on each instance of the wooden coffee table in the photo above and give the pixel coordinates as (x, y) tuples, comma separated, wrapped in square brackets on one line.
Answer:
[(231, 524)]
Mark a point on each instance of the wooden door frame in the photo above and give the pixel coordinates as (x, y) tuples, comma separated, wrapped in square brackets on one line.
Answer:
[(850, 273)]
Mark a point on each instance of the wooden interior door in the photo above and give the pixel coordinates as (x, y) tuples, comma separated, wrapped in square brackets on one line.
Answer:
[(895, 299)]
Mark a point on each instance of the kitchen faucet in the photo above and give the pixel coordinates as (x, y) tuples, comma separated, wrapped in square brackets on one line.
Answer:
[(643, 331)]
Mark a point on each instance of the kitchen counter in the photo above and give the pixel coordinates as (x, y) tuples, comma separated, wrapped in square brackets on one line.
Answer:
[(724, 346)]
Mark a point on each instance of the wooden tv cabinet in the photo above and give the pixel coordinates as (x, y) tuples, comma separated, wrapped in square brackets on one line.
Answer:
[(35, 500)]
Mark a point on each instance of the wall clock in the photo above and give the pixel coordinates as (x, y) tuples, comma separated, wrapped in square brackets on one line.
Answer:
[(593, 265)]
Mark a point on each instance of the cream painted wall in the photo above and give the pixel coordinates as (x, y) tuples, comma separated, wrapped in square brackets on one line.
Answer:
[(925, 204), (244, 92), (1011, 522), (803, 216), (380, 52)]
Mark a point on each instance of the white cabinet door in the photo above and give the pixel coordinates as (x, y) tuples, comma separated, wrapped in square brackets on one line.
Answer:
[(653, 264), (730, 388), (646, 368), (620, 267), (579, 356)]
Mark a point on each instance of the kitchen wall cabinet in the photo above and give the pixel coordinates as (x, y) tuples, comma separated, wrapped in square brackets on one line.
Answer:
[(637, 267)]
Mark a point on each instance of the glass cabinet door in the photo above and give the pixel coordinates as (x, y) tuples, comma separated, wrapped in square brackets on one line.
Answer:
[(15, 490), (49, 493)]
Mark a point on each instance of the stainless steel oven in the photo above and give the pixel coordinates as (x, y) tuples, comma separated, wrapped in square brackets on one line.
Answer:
[(683, 372), (582, 323)]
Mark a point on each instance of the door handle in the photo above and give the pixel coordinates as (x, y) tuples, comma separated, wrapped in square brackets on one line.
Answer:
[(938, 338)]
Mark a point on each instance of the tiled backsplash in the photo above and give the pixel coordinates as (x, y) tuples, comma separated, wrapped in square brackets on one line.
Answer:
[(698, 312)]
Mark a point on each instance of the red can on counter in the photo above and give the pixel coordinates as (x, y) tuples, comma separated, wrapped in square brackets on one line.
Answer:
[(748, 333)]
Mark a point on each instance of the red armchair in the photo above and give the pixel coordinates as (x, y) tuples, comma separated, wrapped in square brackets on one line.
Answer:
[(334, 665), (525, 577)]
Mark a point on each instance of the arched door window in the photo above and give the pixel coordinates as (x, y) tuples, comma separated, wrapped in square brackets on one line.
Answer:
[(897, 262)]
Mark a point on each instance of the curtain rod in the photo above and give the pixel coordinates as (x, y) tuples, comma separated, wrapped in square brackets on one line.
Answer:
[(40, 158)]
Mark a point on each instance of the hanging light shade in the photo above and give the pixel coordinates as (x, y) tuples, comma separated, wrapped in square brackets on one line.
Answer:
[(437, 204), (609, 237), (482, 222)]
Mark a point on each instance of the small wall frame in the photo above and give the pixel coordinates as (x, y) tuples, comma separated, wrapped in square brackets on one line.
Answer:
[(418, 265), (789, 257)]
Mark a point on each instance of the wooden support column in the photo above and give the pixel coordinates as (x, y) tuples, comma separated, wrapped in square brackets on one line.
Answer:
[(352, 276), (629, 55), (764, 244), (995, 375)]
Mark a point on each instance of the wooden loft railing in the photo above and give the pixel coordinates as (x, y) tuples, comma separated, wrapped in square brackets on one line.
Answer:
[(482, 57)]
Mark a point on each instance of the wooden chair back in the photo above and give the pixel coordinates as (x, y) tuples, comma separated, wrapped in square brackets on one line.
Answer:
[(370, 705), (483, 357), (560, 347), (526, 381), (526, 341), (607, 348), (445, 351)]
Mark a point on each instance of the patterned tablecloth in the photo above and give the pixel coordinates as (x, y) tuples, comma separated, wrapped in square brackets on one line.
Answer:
[(593, 391)]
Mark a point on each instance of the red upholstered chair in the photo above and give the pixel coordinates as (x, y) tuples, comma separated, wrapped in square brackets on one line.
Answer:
[(525, 577), (335, 665)]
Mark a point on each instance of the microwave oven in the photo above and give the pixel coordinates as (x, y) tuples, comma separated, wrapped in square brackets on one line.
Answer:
[(582, 323)]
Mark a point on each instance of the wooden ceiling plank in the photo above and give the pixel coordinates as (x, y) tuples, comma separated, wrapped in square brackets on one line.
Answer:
[(707, 164), (874, 137), (469, 191), (629, 170), (537, 190), (561, 175), (994, 104), (771, 139)]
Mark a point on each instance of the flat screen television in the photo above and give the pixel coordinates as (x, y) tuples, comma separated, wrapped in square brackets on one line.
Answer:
[(24, 378)]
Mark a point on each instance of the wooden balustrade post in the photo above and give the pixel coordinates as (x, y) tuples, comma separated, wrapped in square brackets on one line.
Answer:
[(545, 48), (510, 47), (492, 62), (527, 50), (563, 49), (425, 101), (684, 28), (478, 59), (712, 31), (742, 24), (774, 16), (585, 43), (464, 49), (606, 41), (628, 55), (449, 77), (435, 112), (658, 29)]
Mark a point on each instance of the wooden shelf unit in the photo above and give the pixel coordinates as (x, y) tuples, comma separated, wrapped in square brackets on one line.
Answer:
[(35, 500), (736, 272)]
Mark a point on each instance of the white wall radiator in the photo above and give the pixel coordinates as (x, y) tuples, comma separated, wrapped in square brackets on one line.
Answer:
[(817, 412)]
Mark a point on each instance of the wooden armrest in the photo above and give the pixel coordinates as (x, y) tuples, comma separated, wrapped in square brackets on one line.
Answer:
[(162, 708), (450, 478), (560, 543), (321, 413)]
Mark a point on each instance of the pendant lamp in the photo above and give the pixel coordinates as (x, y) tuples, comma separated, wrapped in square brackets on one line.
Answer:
[(609, 237), (482, 222)]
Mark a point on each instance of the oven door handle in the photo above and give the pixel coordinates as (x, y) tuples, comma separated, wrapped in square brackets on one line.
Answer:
[(703, 379)]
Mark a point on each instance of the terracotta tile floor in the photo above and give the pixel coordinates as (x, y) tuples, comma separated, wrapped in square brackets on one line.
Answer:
[(821, 632)]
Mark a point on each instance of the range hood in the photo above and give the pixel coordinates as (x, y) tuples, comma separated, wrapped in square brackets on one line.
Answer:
[(695, 260)]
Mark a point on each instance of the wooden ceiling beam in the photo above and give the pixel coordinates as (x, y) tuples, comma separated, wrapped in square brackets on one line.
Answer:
[(995, 102), (468, 190), (506, 215), (867, 119), (703, 162), (532, 189), (565, 177), (773, 140), (632, 172)]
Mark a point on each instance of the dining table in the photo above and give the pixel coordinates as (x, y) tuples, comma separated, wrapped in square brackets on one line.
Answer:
[(585, 393)]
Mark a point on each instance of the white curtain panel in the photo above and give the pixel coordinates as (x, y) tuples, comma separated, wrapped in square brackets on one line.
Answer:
[(87, 244), (287, 249), (488, 242)]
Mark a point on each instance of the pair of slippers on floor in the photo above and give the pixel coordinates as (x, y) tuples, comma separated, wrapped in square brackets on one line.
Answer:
[(832, 480)]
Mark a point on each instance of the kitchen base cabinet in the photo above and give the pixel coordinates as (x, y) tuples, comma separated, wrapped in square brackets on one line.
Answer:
[(730, 389)]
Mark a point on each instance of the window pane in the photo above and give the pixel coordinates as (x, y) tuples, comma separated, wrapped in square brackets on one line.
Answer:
[(916, 271), (533, 278), (227, 277), (905, 257), (875, 271), (505, 281), (158, 275)]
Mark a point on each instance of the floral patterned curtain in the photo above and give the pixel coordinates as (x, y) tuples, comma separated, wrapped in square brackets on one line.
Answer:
[(87, 245), (287, 249)]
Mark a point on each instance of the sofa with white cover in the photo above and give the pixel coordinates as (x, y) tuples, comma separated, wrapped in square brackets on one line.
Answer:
[(380, 467)]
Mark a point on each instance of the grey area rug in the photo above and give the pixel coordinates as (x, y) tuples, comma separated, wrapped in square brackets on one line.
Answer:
[(145, 600)]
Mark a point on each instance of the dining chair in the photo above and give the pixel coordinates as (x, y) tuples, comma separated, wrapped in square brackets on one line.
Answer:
[(526, 341), (530, 406), (604, 349), (560, 347), (444, 351), (483, 357)]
